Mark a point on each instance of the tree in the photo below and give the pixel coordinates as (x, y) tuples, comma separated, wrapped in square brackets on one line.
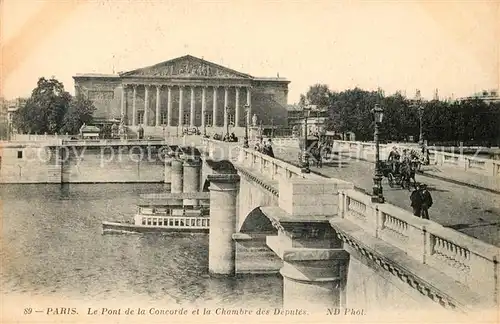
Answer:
[(45, 109), (80, 111), (319, 95)]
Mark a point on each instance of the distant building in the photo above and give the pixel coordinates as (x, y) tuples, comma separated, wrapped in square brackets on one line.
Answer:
[(315, 123), (491, 96), (188, 92), (9, 109)]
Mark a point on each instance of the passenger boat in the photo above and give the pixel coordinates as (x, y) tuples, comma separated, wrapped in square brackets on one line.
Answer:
[(163, 218)]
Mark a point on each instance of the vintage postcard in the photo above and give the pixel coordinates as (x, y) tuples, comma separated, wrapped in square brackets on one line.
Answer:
[(167, 161)]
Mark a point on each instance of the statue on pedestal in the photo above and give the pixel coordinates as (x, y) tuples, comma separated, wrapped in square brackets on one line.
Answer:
[(254, 120)]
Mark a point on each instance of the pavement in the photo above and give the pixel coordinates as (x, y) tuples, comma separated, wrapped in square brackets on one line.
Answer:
[(474, 212)]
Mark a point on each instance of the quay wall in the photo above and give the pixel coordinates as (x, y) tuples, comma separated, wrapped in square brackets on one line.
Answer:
[(44, 164)]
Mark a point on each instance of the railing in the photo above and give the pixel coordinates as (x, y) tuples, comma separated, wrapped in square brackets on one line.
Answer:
[(271, 168), (113, 142), (37, 137), (176, 222), (463, 258)]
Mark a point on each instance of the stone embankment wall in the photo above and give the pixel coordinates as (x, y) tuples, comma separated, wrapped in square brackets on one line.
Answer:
[(22, 163)]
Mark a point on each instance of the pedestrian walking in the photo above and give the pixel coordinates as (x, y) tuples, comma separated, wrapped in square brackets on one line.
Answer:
[(426, 201), (416, 201)]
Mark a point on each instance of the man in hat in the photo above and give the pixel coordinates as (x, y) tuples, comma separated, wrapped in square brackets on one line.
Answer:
[(269, 148), (394, 159), (416, 201), (426, 201)]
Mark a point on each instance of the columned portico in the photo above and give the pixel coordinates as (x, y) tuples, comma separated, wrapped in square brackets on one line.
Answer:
[(194, 110)]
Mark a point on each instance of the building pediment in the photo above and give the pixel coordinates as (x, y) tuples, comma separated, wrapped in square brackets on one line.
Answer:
[(186, 66)]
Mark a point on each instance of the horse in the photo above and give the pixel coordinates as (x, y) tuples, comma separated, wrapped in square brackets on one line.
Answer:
[(407, 170), (421, 158), (316, 156)]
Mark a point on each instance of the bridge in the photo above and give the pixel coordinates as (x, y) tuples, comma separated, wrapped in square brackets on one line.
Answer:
[(320, 231), (331, 244)]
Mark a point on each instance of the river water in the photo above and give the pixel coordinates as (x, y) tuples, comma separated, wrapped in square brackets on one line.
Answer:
[(52, 246)]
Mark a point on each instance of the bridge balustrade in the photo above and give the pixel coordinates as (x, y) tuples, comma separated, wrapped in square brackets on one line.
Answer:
[(463, 258), (270, 167), (466, 163)]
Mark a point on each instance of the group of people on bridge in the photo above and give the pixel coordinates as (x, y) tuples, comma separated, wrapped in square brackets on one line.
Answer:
[(265, 148)]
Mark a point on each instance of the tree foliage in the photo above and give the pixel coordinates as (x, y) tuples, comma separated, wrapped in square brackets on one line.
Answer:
[(442, 121), (80, 111), (51, 109)]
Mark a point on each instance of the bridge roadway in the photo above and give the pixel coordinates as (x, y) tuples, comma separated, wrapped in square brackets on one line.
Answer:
[(471, 211)]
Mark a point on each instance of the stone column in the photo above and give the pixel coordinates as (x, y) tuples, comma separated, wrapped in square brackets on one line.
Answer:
[(134, 107), (181, 108), (214, 112), (146, 104), (157, 115), (124, 89), (226, 102), (177, 175), (169, 106), (192, 169), (237, 108), (221, 248), (192, 113), (203, 106), (249, 103)]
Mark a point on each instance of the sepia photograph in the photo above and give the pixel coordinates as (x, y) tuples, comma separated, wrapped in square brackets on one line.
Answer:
[(248, 161)]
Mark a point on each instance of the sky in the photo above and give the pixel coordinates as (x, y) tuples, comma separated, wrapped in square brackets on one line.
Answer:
[(449, 45)]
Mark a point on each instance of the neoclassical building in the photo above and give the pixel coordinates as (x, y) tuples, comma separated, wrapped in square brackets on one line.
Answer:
[(187, 92)]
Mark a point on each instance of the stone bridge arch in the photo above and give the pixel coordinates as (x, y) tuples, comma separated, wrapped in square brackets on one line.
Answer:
[(257, 222), (253, 194)]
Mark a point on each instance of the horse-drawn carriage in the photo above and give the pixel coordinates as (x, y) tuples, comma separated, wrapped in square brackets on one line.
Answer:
[(399, 173), (316, 148)]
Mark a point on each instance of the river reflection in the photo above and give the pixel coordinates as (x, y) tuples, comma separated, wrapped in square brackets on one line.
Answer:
[(52, 245)]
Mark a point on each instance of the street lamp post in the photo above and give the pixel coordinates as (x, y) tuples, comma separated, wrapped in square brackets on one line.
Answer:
[(377, 195), (305, 155), (272, 127), (261, 132), (247, 117), (420, 117)]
